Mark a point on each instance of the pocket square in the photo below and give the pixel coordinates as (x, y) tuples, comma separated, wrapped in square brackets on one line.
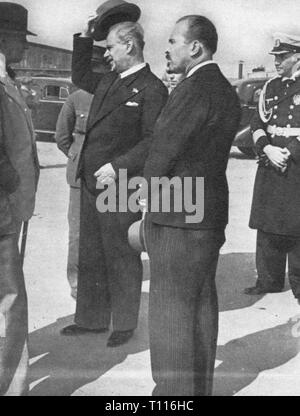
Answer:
[(132, 104)]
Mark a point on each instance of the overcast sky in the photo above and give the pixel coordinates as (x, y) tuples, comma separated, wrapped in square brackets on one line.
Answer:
[(245, 27)]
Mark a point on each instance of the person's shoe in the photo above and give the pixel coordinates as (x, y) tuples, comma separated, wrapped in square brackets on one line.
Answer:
[(255, 290), (119, 338), (79, 330)]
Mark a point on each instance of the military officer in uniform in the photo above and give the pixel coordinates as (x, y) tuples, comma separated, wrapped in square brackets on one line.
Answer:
[(275, 212)]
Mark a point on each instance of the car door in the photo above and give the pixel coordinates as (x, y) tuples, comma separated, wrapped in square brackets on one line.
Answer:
[(44, 116)]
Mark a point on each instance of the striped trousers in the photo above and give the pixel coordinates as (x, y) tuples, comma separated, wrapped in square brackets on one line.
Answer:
[(183, 308)]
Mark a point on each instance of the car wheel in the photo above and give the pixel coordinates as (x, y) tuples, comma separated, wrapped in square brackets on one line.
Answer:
[(248, 151)]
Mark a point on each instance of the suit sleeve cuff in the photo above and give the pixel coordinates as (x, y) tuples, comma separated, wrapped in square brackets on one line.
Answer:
[(261, 143)]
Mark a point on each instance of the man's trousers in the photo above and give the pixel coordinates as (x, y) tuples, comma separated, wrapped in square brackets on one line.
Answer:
[(110, 271), (13, 320), (272, 252), (183, 311), (73, 253)]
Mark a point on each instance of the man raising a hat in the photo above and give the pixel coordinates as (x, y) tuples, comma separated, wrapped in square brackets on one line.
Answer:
[(275, 209), (19, 171), (127, 102)]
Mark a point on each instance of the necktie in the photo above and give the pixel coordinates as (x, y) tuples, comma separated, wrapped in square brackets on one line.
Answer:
[(116, 84)]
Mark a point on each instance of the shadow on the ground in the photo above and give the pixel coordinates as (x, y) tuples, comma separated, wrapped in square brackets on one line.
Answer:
[(68, 363), (237, 271), (72, 362), (244, 358)]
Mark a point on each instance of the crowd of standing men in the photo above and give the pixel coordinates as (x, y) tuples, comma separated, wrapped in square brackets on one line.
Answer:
[(125, 120)]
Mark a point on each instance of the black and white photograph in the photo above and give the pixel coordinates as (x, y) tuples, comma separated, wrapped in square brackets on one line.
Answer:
[(150, 200)]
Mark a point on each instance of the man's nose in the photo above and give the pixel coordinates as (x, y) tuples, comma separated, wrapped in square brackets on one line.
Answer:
[(106, 55), (277, 60)]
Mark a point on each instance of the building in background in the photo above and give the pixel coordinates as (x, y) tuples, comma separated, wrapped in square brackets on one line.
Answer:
[(50, 61)]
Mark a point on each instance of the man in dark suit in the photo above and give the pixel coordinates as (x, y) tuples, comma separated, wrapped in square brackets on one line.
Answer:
[(126, 104), (191, 139)]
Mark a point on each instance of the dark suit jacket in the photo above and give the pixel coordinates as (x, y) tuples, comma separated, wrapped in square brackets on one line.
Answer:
[(192, 138), (121, 120)]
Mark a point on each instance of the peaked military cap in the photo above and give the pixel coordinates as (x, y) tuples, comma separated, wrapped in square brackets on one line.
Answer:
[(285, 43)]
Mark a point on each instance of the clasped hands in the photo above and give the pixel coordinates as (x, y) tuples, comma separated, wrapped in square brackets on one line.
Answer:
[(106, 175), (277, 156)]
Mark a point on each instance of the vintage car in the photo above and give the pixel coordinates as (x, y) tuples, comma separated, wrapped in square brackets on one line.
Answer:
[(46, 96), (248, 91), (49, 94)]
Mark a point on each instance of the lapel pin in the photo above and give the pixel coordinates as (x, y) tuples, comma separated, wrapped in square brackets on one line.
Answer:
[(135, 90)]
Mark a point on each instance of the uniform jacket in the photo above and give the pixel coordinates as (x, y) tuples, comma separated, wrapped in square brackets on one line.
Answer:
[(276, 198), (121, 119), (71, 129), (192, 138), (19, 168)]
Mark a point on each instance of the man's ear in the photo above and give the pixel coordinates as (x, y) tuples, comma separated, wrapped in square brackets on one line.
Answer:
[(130, 46), (296, 58), (196, 49)]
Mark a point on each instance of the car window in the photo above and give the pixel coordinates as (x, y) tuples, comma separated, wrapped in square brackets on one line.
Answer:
[(51, 91), (55, 92), (64, 93)]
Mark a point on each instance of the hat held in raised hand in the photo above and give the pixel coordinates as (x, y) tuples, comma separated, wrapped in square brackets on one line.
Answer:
[(14, 18), (285, 43), (112, 12)]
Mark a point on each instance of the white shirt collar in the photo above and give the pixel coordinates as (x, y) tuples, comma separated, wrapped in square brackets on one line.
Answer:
[(3, 72), (132, 70), (195, 68)]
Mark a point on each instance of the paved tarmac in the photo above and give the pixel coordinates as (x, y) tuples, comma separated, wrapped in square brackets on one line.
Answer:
[(259, 337)]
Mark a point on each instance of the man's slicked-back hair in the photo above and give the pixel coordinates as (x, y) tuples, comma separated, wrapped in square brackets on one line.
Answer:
[(202, 29), (130, 31)]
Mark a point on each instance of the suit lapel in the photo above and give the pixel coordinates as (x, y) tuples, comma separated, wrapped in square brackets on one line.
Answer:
[(14, 94), (99, 97), (128, 88)]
